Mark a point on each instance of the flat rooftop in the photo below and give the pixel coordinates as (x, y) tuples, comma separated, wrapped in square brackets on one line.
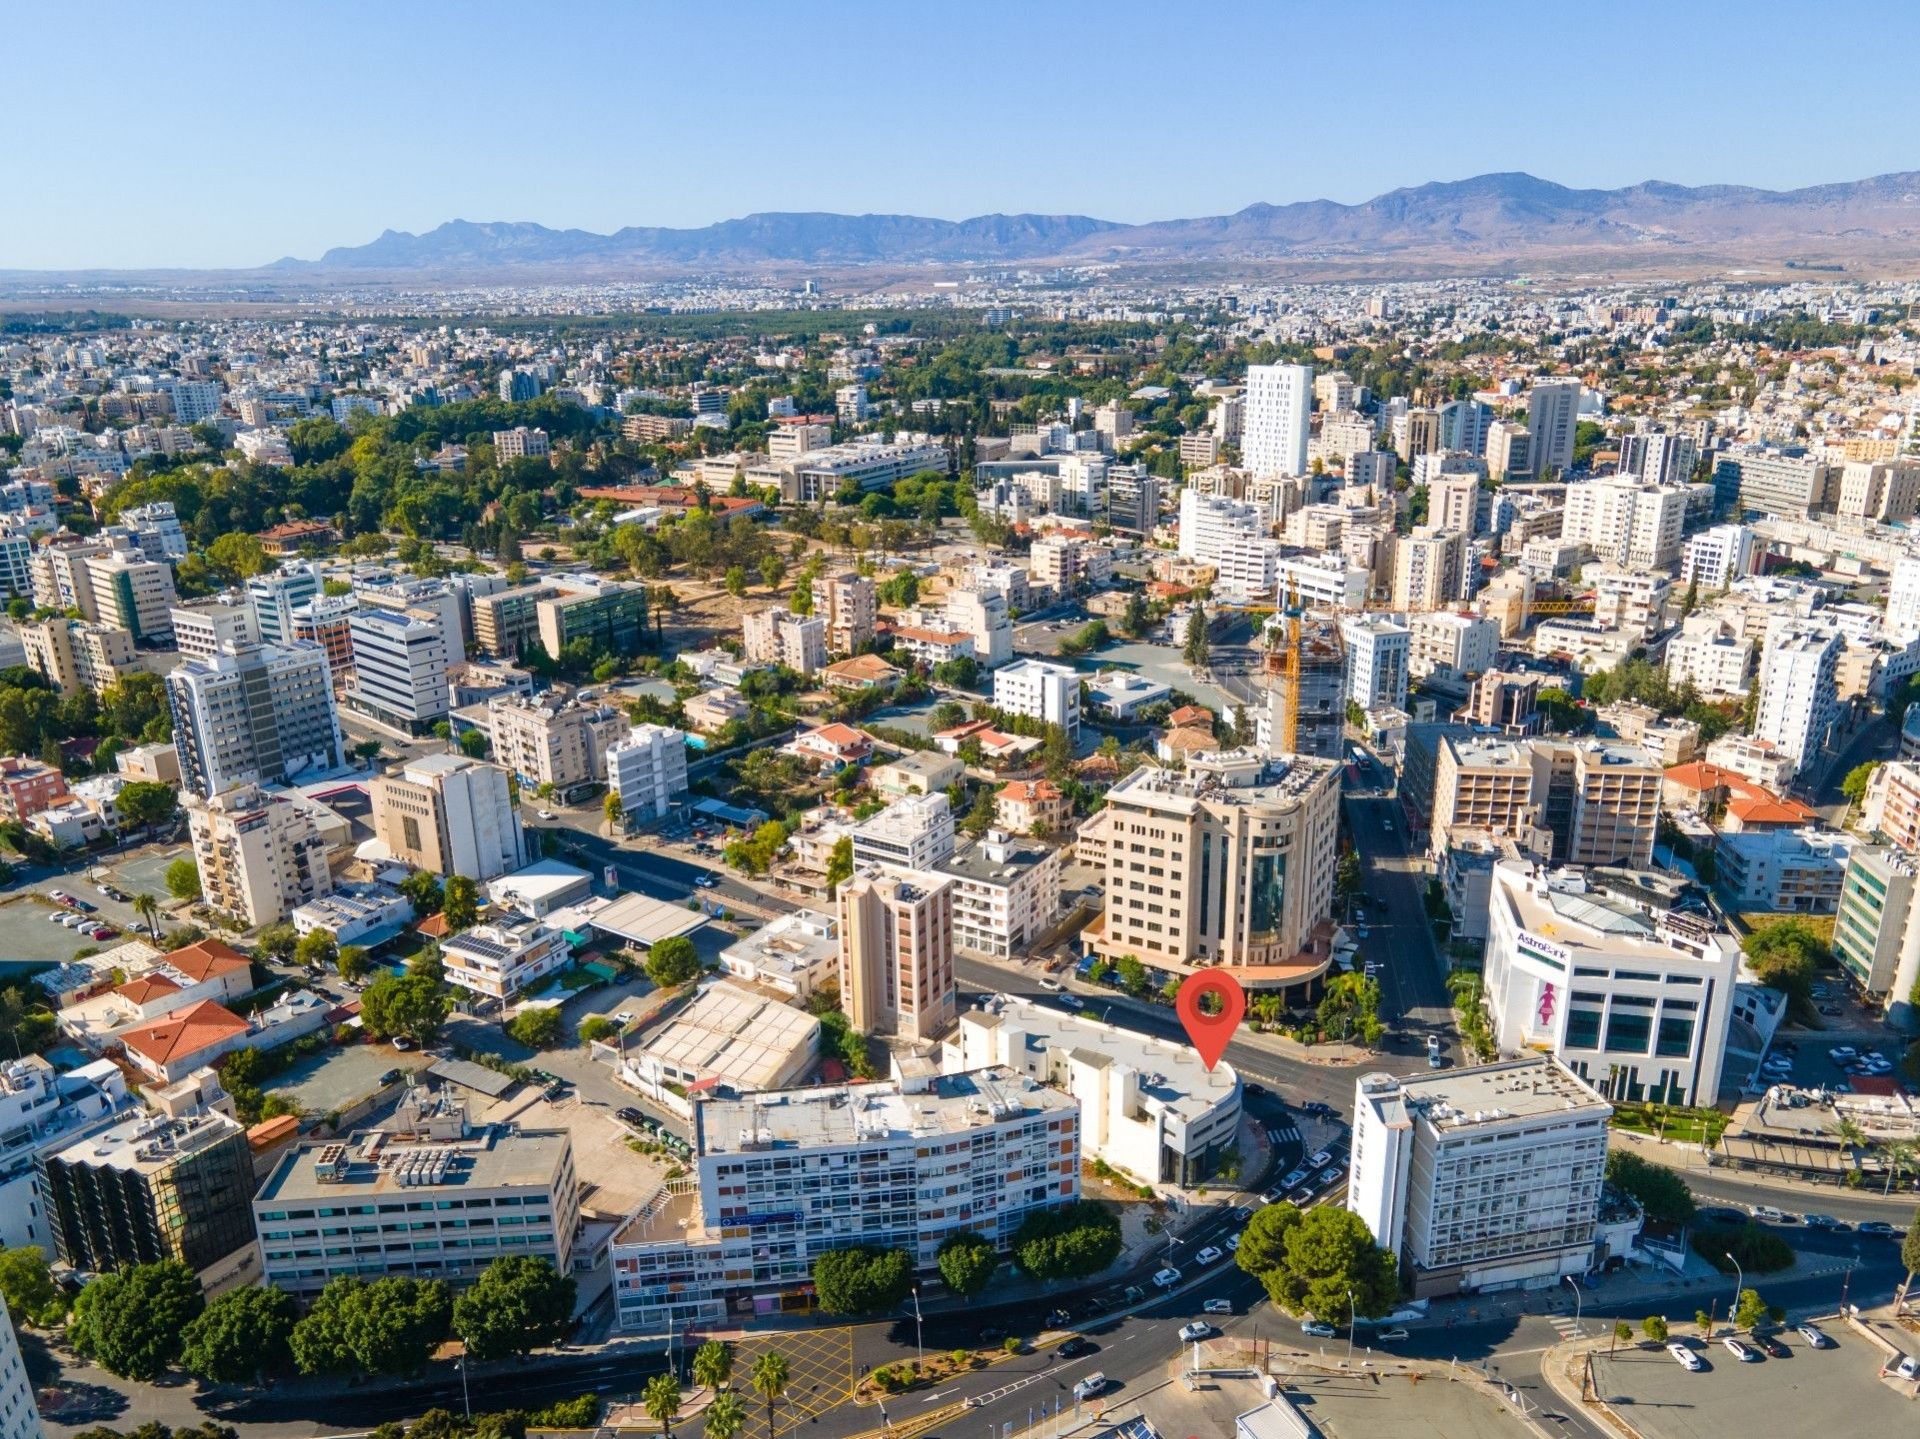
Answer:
[(870, 1113), (1171, 1075), (1590, 920), (378, 1163), (733, 1035), (1537, 1086), (997, 859), (147, 1144)]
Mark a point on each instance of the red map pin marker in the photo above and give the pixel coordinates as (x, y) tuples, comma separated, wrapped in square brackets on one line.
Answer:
[(1209, 1033)]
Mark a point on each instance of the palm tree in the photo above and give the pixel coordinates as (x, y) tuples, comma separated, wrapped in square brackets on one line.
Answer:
[(712, 1363), (1901, 1156), (770, 1375), (1852, 1139), (661, 1400), (726, 1416), (149, 912)]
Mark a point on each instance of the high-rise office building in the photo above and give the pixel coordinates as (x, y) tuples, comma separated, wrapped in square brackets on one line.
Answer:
[(399, 669), (1509, 451), (1276, 419), (151, 1189), (1658, 457), (1429, 569), (1376, 661), (1553, 411), (451, 815), (260, 713), (276, 594), (896, 952)]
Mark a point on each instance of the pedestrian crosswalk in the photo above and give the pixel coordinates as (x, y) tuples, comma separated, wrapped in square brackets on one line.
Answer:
[(1565, 1327), (1283, 1134)]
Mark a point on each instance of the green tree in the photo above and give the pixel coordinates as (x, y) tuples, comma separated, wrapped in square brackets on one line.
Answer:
[(1133, 974), (1070, 1242), (712, 1364), (382, 1326), (1622, 1334), (1658, 1190), (725, 1416), (967, 1261), (770, 1376), (460, 903), (316, 948), (1854, 786), (615, 810), (597, 1027), (131, 1321), (143, 804), (1750, 1311), (1263, 1243), (1197, 647), (840, 863), (661, 1400), (276, 944), (1133, 622), (538, 1026), (352, 962), (861, 1279), (1910, 1248), (423, 892), (1654, 1326), (773, 570), (27, 1286), (242, 1336), (183, 879), (413, 1005), (672, 961), (1325, 1255), (234, 557), (1784, 955), (517, 1305)]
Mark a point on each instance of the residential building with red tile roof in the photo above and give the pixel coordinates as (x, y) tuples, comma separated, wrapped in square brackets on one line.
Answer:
[(172, 1046)]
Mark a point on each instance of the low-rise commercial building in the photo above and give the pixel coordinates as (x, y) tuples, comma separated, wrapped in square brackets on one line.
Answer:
[(792, 955), (427, 1196), (729, 1037)]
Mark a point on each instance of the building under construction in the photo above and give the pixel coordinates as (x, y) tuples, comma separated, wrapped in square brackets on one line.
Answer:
[(1306, 678)]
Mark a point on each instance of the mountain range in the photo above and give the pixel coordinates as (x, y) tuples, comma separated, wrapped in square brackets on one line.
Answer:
[(1487, 222)]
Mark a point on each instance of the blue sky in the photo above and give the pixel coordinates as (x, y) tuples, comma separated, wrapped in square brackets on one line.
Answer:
[(202, 134)]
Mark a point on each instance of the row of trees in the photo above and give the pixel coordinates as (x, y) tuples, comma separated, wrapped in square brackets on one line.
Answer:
[(142, 1320)]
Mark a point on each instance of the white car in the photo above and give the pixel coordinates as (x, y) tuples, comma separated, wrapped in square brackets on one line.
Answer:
[(1908, 1368), (1212, 1254), (1090, 1386), (623, 1018), (1233, 1244), (1052, 985), (1194, 1331), (1686, 1358), (1317, 1329), (1745, 1353), (1217, 1306), (1167, 1278), (1390, 1336), (546, 814), (1321, 1159), (1843, 1054), (1815, 1336)]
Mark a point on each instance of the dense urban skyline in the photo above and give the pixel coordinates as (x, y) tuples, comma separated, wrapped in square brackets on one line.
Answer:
[(403, 119)]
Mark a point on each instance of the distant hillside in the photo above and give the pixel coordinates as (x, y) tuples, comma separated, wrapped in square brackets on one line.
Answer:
[(1507, 219)]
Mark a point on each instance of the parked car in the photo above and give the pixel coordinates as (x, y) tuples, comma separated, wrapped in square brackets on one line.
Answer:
[(705, 881), (1317, 1329), (1189, 1333), (1686, 1358), (1212, 1254), (1320, 1159), (1878, 1227), (1217, 1306), (545, 813), (1908, 1368), (1049, 983), (1074, 1348), (1073, 1001), (1773, 1347), (1090, 1386), (1233, 1244), (1767, 1214), (1330, 1175), (1816, 1336), (1295, 1178), (1823, 1221), (1390, 1336), (1745, 1353), (1843, 1053), (1167, 1278)]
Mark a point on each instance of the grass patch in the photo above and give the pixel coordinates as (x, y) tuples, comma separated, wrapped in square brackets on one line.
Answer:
[(1672, 1121), (1758, 1251)]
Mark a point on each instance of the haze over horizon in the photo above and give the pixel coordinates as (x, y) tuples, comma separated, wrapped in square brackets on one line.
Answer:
[(282, 138)]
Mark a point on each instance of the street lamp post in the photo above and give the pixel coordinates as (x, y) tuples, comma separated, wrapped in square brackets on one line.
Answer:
[(1579, 1333), (919, 1347), (1353, 1318), (466, 1402), (1739, 1283)]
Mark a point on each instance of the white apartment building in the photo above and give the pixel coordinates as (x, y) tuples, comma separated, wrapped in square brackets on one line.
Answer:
[(1626, 521), (786, 1175), (896, 952), (1715, 558), (1453, 491), (260, 714), (1630, 599), (648, 771), (1148, 1107), (1006, 892), (549, 742), (499, 959), (981, 614), (1040, 690), (1903, 599), (776, 636), (521, 443), (1344, 434), (1249, 568), (42, 1109), (1482, 1179), (451, 815), (1210, 523), (19, 1416), (1429, 570), (1378, 652), (1755, 760), (1326, 581), (1064, 562), (1449, 642), (428, 1195), (1799, 702), (1711, 655), (1636, 1004), (202, 630), (399, 669), (277, 594), (260, 857), (1276, 419), (915, 832)]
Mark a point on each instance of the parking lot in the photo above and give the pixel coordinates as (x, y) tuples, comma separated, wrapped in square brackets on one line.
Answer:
[(1807, 1393), (1355, 1407), (338, 1078)]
